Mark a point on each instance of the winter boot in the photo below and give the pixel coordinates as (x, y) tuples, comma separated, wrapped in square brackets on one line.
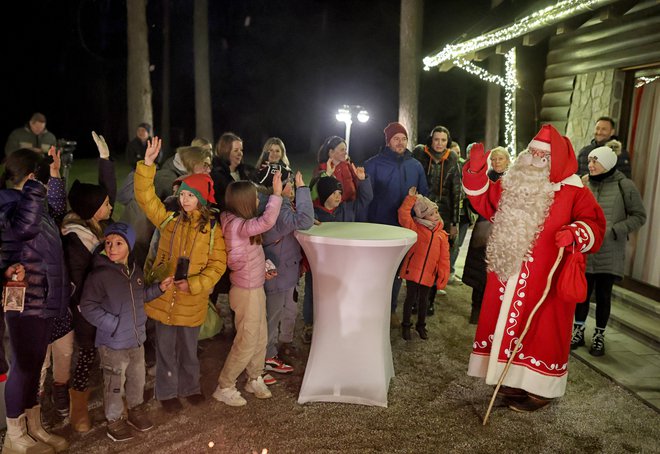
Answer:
[(598, 343), (421, 330), (17, 440), (79, 413), (36, 430), (405, 331), (61, 398), (578, 336)]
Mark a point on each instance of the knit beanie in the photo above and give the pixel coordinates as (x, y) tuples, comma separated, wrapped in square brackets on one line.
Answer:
[(266, 173), (605, 156), (123, 230), (326, 186), (424, 206), (393, 129), (201, 185), (85, 199)]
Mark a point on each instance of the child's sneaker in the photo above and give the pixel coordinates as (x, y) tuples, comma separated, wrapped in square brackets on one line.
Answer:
[(118, 430), (269, 380), (138, 418), (230, 396), (258, 388), (275, 364)]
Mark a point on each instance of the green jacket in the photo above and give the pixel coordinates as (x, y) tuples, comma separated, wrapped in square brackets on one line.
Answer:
[(625, 213), (25, 138)]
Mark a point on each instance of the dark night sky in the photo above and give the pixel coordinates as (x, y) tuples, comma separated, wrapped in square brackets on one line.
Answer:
[(284, 74)]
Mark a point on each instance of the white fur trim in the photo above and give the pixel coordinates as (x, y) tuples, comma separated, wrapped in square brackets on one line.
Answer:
[(573, 180), (478, 191), (585, 232), (539, 145)]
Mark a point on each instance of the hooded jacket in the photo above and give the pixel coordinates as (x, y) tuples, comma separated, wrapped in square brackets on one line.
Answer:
[(247, 262), (31, 237), (113, 300), (427, 261), (392, 175), (180, 237)]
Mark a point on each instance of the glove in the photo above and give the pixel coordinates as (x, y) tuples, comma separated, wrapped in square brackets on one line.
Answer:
[(104, 151), (565, 236), (478, 158)]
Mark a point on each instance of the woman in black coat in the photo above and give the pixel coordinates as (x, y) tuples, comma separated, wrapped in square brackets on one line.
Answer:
[(32, 253), (474, 273)]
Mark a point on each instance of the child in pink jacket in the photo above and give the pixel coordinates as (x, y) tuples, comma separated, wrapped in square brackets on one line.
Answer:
[(242, 230)]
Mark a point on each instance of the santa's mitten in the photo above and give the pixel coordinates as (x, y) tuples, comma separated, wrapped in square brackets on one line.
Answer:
[(566, 236), (478, 158)]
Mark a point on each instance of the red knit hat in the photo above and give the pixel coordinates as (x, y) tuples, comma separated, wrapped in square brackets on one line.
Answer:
[(563, 163), (393, 129), (201, 185)]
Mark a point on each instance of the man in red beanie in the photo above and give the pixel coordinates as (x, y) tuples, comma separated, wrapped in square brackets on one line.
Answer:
[(538, 206), (393, 171)]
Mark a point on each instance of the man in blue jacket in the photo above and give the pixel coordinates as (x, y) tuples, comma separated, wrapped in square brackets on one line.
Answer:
[(392, 172)]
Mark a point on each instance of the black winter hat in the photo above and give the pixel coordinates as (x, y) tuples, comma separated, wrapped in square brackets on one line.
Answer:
[(85, 199), (326, 186)]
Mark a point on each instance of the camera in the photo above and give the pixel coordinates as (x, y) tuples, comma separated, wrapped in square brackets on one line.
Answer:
[(66, 147)]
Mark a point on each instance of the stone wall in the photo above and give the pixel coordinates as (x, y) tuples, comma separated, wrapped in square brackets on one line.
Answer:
[(594, 95)]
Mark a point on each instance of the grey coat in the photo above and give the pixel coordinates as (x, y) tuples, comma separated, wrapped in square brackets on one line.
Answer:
[(625, 213)]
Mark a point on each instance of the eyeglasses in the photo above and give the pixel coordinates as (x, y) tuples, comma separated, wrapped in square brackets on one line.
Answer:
[(539, 153)]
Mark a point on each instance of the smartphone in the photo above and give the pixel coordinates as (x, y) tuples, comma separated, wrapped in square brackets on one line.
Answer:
[(182, 265)]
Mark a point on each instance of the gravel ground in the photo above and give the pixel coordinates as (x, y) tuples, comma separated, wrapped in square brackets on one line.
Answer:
[(433, 407)]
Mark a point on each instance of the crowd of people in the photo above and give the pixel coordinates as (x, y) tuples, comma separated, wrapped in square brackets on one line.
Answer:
[(205, 224)]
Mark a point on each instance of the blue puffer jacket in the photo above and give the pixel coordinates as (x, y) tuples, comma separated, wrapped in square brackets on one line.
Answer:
[(31, 237), (113, 300), (280, 246), (391, 175)]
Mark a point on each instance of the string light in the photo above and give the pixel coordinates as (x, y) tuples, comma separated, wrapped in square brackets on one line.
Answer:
[(535, 21), (641, 81), (510, 101), (480, 72)]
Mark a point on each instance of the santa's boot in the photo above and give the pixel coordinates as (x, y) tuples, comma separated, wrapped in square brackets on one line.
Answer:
[(577, 340), (17, 440), (79, 413), (37, 431), (598, 343)]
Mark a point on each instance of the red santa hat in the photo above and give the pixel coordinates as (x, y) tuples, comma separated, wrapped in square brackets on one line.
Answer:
[(563, 163)]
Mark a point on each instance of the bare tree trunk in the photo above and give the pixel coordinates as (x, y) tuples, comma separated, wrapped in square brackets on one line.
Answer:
[(410, 62), (493, 105), (203, 116), (165, 94), (138, 81)]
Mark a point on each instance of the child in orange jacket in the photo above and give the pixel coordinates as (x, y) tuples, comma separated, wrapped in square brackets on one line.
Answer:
[(427, 262)]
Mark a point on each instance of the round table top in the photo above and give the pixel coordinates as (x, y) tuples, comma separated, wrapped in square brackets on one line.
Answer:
[(357, 234)]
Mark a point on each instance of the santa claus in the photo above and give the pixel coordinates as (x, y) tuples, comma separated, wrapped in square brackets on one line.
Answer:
[(539, 206)]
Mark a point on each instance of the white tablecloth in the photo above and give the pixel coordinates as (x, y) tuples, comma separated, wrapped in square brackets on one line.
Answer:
[(353, 265)]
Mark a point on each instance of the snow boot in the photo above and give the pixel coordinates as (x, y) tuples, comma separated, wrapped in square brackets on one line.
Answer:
[(36, 430), (577, 340), (17, 440), (79, 413), (598, 343)]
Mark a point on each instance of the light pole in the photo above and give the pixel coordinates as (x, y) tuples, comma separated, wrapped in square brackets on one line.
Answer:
[(345, 115)]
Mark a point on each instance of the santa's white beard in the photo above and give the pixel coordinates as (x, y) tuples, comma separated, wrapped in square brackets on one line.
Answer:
[(525, 202)]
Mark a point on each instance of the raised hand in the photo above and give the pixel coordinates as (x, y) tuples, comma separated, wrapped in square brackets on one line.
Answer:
[(277, 183), (153, 148), (300, 182), (478, 158), (104, 151), (57, 162), (359, 172)]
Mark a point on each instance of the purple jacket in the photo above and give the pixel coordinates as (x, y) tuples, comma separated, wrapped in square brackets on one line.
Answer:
[(247, 262)]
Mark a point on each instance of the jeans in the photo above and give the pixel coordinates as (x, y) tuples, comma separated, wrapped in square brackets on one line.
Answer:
[(123, 374), (275, 303), (177, 366)]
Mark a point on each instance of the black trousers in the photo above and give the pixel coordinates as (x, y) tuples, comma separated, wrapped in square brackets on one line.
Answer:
[(416, 294), (602, 283)]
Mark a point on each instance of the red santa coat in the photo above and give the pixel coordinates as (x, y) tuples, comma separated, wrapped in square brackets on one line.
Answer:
[(540, 366)]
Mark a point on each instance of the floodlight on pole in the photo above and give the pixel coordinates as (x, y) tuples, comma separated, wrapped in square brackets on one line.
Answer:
[(345, 115)]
